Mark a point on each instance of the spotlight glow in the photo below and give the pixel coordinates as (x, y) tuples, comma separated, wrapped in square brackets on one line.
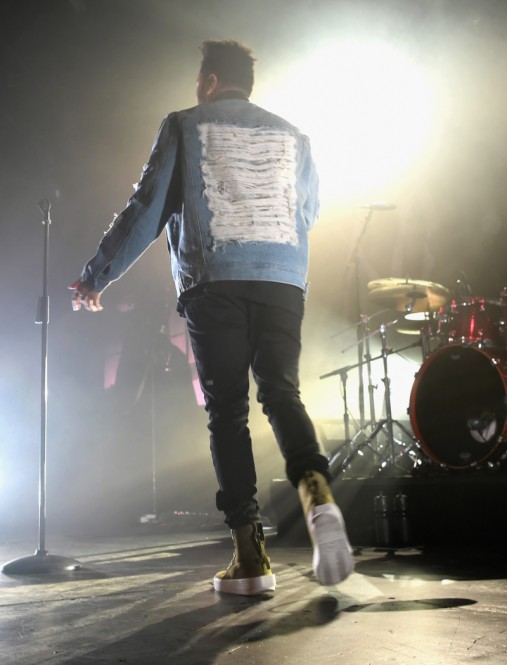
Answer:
[(369, 109)]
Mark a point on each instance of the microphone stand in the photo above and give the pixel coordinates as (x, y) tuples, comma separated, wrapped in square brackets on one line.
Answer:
[(153, 516), (42, 561)]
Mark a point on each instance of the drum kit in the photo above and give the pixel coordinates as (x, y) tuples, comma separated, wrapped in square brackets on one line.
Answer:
[(458, 401)]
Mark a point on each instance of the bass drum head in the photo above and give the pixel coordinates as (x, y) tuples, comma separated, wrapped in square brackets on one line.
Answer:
[(457, 405)]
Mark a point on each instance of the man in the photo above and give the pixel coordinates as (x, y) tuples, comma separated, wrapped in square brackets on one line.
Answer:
[(236, 189)]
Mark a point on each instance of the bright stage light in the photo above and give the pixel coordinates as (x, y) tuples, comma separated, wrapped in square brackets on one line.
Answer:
[(368, 108)]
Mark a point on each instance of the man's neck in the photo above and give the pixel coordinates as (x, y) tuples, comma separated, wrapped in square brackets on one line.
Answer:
[(230, 93)]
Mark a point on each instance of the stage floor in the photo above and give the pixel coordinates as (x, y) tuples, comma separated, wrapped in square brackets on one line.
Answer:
[(145, 597)]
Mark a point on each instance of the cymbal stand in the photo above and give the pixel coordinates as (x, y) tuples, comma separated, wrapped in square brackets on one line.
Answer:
[(343, 372), (355, 260), (367, 357), (386, 425), (364, 342)]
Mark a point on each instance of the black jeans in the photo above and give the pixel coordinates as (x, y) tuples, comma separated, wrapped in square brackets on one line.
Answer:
[(229, 335)]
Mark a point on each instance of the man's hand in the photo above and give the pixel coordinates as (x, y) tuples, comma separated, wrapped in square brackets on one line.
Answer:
[(83, 296)]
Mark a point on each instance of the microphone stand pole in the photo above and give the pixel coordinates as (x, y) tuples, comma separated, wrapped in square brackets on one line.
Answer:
[(42, 561)]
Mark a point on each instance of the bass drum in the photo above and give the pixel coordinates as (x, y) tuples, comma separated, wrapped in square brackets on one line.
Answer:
[(458, 405)]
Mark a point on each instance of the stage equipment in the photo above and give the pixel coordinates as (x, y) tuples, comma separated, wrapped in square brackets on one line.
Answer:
[(153, 515), (458, 406), (408, 295), (363, 337), (388, 451), (42, 561), (157, 366), (474, 320), (426, 326), (363, 324)]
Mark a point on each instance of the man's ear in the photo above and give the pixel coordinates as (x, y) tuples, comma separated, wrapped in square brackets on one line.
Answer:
[(212, 86)]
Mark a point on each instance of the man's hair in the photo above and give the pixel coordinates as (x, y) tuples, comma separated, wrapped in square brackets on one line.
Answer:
[(231, 62)]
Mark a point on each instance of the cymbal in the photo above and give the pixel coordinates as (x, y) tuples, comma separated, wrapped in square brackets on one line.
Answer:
[(408, 295)]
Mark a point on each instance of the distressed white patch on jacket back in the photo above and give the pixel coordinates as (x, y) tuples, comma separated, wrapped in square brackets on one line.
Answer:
[(250, 182)]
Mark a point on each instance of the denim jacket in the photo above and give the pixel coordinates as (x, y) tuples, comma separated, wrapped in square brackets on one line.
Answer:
[(236, 190)]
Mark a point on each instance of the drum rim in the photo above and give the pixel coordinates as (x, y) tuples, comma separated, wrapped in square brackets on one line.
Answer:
[(495, 356)]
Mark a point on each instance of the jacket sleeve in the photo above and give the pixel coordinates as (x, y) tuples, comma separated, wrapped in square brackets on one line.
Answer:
[(144, 217)]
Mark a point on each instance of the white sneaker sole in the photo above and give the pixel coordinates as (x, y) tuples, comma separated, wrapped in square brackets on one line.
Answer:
[(245, 586), (332, 554)]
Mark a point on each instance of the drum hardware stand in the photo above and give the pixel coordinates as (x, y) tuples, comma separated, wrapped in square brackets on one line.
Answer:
[(355, 446), (362, 330), (426, 335), (363, 325), (343, 372), (367, 357)]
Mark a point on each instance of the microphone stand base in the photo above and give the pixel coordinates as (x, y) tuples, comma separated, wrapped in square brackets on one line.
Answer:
[(40, 562)]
